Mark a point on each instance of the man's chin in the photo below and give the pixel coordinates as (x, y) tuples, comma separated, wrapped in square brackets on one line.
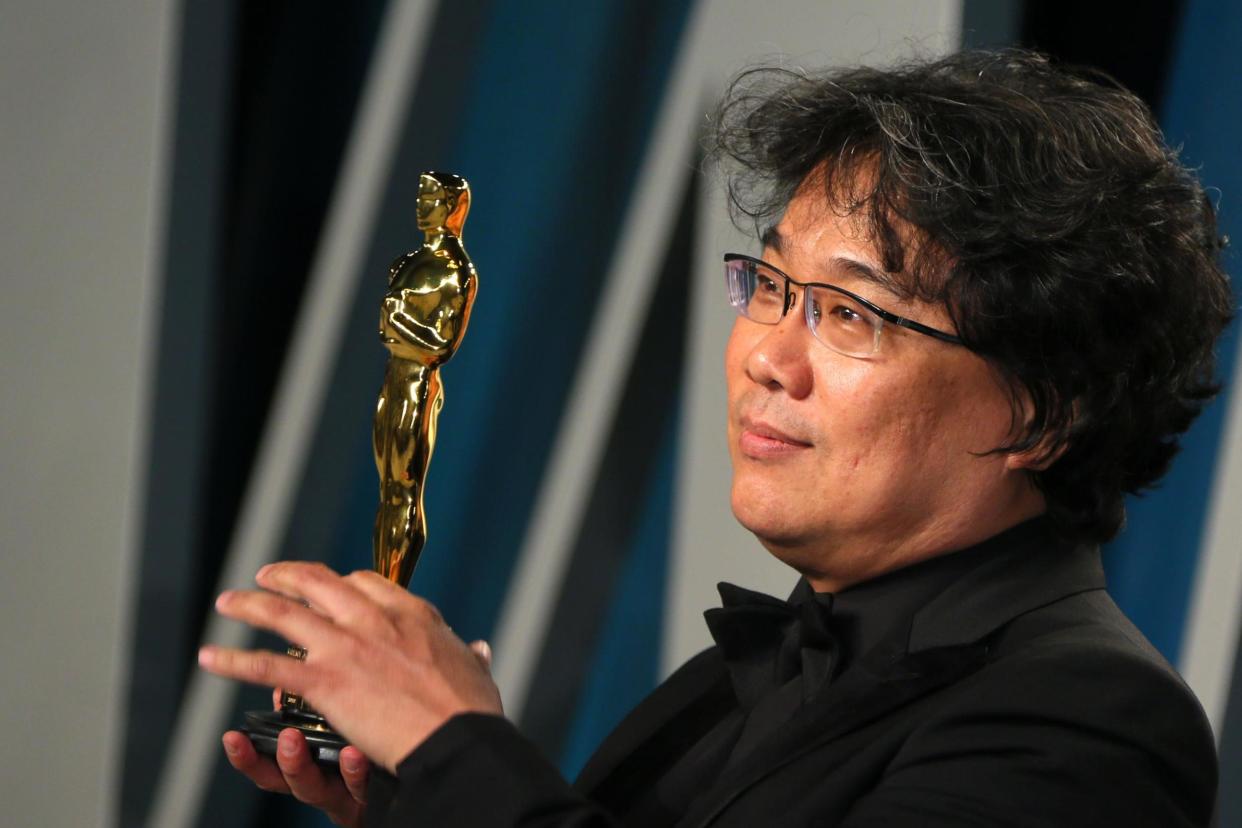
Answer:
[(774, 531), (794, 552)]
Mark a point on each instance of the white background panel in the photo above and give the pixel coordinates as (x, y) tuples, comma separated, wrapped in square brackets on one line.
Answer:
[(83, 89)]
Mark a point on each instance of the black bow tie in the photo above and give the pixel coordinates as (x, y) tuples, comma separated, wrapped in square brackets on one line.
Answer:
[(766, 642)]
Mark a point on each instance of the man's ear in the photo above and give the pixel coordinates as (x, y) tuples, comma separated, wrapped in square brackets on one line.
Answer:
[(1047, 451), (1038, 457)]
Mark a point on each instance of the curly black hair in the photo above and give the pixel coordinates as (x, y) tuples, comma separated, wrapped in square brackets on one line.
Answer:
[(1041, 206)]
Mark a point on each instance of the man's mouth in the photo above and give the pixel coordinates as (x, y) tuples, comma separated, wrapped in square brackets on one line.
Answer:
[(759, 439)]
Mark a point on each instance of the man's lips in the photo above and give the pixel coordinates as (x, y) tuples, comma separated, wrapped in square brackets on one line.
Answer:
[(760, 439)]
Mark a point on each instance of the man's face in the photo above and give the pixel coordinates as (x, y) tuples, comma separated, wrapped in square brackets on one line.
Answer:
[(846, 468)]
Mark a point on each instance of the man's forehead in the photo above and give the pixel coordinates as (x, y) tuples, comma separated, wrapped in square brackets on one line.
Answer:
[(843, 200), (854, 260)]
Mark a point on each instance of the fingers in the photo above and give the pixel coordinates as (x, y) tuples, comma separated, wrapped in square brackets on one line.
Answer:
[(295, 772), (309, 783), (362, 600), (354, 770), (304, 778), (401, 607), (328, 592), (258, 769), (387, 594), (273, 612), (256, 667)]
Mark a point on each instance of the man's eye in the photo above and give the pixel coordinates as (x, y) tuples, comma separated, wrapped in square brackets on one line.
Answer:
[(844, 314), (767, 285)]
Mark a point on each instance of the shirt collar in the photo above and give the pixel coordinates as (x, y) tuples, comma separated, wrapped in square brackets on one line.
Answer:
[(868, 612)]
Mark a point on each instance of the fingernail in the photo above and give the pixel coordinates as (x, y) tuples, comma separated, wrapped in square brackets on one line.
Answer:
[(205, 654), (287, 746), (223, 598), (351, 764), (263, 570), (230, 749)]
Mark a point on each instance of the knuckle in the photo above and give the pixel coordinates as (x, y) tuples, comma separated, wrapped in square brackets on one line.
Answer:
[(269, 668), (277, 607), (370, 615), (370, 622), (418, 645), (262, 668), (315, 684), (300, 572), (319, 571), (426, 610)]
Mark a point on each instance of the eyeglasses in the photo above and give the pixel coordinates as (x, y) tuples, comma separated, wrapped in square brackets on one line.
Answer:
[(844, 321)]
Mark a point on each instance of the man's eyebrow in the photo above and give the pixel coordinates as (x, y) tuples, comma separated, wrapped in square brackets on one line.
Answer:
[(772, 238), (863, 271)]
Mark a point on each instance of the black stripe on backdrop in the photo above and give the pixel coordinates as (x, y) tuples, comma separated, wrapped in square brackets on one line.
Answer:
[(265, 98), (605, 537), (298, 76), (1135, 47)]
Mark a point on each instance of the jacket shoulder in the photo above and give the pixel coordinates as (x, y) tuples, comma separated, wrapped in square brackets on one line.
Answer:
[(1084, 646), (1073, 691)]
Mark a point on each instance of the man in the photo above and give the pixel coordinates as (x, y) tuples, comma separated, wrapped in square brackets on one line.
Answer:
[(985, 308)]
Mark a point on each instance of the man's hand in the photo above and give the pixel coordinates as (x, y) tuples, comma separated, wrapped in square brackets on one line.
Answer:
[(342, 798), (381, 664)]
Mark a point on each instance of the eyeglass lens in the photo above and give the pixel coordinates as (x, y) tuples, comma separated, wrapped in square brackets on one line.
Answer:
[(837, 320)]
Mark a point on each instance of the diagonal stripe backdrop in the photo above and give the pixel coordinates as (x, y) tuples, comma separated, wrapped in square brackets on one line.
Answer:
[(577, 498), (549, 109)]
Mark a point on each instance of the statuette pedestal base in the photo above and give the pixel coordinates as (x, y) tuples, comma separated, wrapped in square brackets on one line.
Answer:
[(264, 726)]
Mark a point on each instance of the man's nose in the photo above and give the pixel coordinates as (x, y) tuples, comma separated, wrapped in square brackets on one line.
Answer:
[(781, 357)]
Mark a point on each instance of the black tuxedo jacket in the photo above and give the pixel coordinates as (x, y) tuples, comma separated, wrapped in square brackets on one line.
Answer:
[(1021, 695)]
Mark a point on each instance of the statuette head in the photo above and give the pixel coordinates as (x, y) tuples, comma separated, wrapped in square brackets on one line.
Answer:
[(443, 201)]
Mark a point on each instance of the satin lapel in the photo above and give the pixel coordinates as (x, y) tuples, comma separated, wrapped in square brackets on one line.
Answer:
[(886, 680), (696, 682)]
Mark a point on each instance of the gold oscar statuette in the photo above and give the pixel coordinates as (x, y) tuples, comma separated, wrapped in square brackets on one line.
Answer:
[(422, 321)]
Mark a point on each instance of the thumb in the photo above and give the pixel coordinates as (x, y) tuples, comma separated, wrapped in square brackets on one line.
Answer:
[(483, 651)]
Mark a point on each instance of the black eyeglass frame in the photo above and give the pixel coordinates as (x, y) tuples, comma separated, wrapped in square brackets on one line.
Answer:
[(887, 316)]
